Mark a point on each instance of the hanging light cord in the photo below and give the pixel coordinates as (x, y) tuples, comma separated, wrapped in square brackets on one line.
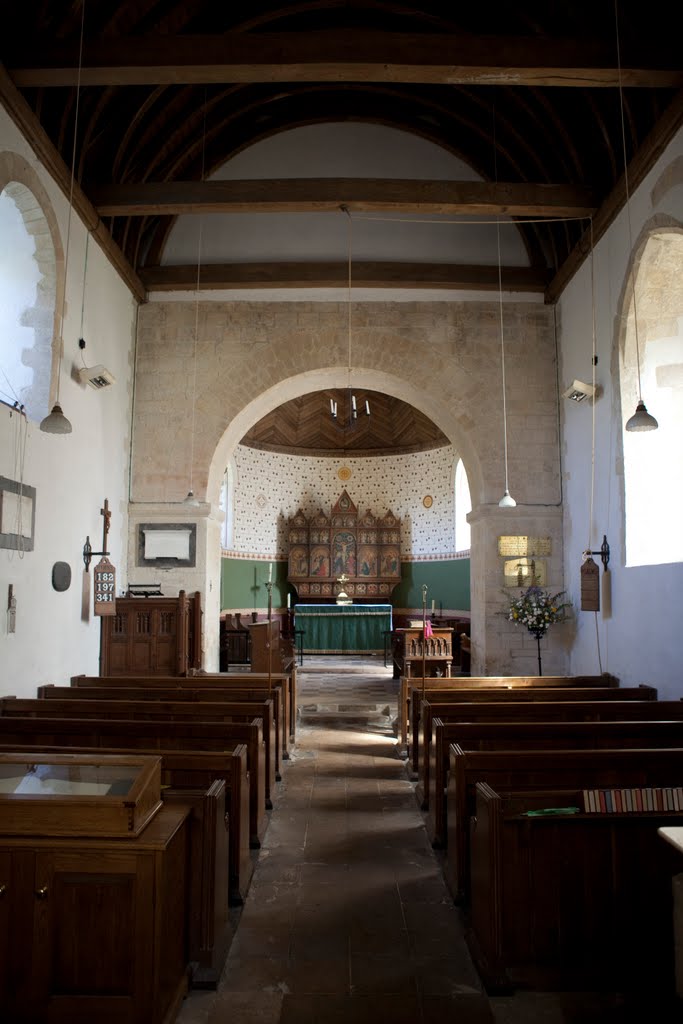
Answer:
[(71, 197), (85, 274), (628, 197), (349, 250), (502, 358), (593, 378), (593, 360), (196, 310)]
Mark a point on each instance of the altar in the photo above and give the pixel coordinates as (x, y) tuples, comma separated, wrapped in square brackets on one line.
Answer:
[(343, 629)]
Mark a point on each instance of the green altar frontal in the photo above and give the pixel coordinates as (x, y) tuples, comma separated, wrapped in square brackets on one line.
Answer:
[(342, 629)]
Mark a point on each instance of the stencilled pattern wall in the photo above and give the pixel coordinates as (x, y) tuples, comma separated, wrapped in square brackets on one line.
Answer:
[(271, 487)]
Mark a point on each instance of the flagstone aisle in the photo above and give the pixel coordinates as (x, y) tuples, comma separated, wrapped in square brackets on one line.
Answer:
[(347, 917)]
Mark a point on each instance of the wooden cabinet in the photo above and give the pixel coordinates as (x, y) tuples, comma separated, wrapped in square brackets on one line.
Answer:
[(153, 636), (93, 923), (94, 929), (411, 651)]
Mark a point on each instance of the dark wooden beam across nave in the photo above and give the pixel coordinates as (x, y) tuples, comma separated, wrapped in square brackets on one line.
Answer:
[(318, 274), (320, 195), (344, 56)]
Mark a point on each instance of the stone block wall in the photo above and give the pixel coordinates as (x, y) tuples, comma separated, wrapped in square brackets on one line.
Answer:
[(442, 357)]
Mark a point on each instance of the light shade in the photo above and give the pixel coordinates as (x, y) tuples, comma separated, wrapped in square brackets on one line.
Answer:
[(641, 419), (56, 422), (507, 501), (190, 499)]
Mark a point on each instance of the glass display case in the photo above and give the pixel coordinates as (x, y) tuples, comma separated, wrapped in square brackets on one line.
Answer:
[(75, 794)]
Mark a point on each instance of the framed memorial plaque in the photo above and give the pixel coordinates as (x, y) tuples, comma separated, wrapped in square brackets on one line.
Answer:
[(104, 583)]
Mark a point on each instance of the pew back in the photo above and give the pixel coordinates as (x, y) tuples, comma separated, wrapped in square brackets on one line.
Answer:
[(521, 735), (541, 770), (132, 734), (489, 683), (202, 679), (421, 710), (571, 900), (172, 711)]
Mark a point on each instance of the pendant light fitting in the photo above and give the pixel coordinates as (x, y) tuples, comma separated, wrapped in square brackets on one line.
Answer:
[(352, 403), (641, 419), (507, 501), (56, 422)]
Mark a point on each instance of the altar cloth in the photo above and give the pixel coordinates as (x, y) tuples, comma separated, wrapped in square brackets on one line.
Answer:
[(343, 629)]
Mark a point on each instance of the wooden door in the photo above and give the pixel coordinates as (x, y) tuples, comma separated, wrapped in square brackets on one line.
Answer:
[(94, 936)]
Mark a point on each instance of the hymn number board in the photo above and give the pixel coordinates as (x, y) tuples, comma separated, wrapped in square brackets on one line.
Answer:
[(104, 578)]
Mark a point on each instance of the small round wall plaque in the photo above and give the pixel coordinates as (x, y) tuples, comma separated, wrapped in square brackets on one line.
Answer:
[(344, 474), (427, 501), (61, 576)]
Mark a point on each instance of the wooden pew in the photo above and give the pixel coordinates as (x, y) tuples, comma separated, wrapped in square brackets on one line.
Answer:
[(540, 769), (194, 770), (487, 683), (172, 711), (422, 711), (195, 695), (574, 901), (209, 927), (153, 735), (521, 735), (242, 680)]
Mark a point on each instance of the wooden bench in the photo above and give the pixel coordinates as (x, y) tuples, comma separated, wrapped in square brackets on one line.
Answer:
[(540, 769), (145, 710), (574, 901), (485, 735), (486, 683), (153, 735), (204, 680), (195, 695), (438, 700)]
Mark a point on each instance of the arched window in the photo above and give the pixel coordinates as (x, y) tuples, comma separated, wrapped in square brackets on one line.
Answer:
[(653, 477), (27, 300), (227, 506), (463, 505)]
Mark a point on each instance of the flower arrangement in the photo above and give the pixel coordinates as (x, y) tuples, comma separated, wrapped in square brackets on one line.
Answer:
[(537, 609)]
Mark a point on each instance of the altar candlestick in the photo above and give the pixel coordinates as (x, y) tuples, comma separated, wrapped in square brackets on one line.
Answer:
[(270, 573)]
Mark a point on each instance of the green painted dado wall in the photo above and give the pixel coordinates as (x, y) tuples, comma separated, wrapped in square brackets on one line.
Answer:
[(448, 585), (243, 584)]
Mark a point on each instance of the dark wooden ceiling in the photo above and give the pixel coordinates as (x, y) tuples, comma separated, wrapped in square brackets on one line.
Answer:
[(305, 426), (527, 93)]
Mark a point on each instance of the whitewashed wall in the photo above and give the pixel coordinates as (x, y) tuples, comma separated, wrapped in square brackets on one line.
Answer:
[(56, 634), (272, 487), (642, 641)]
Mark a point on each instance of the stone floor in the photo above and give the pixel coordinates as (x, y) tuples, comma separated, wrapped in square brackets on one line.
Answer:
[(348, 917)]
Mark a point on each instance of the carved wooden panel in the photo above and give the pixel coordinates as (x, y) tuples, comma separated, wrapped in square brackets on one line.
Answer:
[(364, 548)]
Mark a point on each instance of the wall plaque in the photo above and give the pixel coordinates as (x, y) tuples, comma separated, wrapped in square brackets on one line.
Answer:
[(523, 547), (525, 572), (104, 586)]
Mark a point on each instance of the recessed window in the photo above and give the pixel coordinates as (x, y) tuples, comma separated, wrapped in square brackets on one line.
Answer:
[(653, 473), (463, 506)]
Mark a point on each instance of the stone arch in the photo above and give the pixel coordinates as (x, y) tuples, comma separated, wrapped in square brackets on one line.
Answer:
[(335, 377), (20, 181)]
